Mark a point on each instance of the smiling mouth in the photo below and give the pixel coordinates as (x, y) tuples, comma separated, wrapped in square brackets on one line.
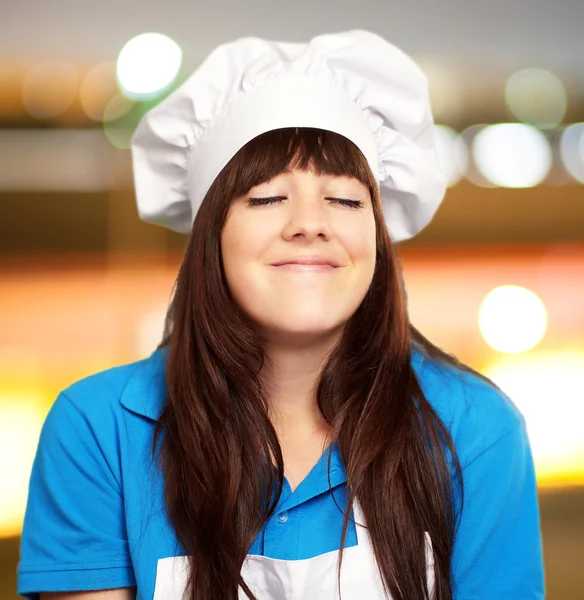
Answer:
[(303, 268)]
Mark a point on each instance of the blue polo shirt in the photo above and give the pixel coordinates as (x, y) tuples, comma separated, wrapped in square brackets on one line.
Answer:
[(95, 516)]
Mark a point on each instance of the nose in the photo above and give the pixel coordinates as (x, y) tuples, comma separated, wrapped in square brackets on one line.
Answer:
[(307, 217)]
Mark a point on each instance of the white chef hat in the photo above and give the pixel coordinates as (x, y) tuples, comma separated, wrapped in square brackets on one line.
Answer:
[(353, 83)]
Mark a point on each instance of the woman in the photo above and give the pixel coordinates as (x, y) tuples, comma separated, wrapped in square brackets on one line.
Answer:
[(293, 436)]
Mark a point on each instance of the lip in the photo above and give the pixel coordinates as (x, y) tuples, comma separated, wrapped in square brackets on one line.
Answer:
[(305, 268), (316, 261)]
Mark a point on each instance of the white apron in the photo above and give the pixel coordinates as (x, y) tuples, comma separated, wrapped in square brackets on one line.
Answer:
[(304, 579)]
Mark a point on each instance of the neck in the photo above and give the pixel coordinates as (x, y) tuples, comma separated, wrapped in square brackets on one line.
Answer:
[(291, 380)]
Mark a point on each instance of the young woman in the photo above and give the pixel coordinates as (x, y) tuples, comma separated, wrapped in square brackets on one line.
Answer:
[(293, 436)]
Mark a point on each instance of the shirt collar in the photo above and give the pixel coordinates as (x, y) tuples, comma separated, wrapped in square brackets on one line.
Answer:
[(145, 395), (145, 391), (317, 481)]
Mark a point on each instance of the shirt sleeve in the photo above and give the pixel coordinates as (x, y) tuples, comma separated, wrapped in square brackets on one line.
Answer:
[(74, 536), (498, 548)]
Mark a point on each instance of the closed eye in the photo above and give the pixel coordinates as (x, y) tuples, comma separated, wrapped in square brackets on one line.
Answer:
[(273, 199), (262, 201), (345, 202)]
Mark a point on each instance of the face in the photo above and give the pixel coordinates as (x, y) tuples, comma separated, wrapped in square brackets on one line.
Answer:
[(294, 216)]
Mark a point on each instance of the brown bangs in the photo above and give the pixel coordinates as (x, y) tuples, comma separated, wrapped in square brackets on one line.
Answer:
[(281, 150)]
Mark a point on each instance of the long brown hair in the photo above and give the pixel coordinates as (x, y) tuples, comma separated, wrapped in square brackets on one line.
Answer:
[(392, 442)]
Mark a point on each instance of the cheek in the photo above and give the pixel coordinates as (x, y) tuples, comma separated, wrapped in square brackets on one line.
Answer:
[(360, 243), (361, 246), (242, 248)]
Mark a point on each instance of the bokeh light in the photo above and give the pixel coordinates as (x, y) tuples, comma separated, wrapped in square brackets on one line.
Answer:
[(97, 89), (472, 172), (512, 155), (120, 137), (50, 88), (21, 418), (572, 150), (117, 107), (512, 319), (117, 123), (147, 65), (452, 154), (537, 97), (546, 387)]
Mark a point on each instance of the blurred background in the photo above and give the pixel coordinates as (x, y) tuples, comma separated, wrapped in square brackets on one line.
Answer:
[(497, 278)]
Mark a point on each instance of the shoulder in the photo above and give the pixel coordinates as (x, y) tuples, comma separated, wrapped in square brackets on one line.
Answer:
[(138, 386), (93, 422), (96, 411), (476, 412)]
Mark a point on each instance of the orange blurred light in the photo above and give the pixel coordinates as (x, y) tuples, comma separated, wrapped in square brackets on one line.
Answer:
[(50, 88), (98, 87)]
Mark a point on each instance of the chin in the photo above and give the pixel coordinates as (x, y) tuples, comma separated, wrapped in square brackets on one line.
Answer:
[(303, 327)]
